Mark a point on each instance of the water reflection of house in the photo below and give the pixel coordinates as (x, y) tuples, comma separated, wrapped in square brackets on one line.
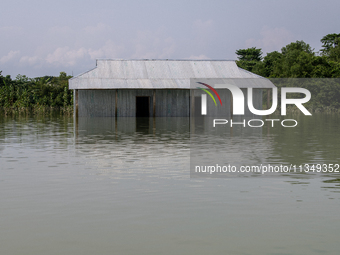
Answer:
[(152, 88)]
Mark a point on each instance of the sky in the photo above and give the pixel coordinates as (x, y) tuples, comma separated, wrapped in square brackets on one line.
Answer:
[(39, 38)]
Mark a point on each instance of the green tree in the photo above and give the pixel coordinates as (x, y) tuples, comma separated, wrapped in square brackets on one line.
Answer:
[(1, 79), (266, 67), (24, 92), (331, 47), (329, 42), (248, 58), (297, 46), (296, 61)]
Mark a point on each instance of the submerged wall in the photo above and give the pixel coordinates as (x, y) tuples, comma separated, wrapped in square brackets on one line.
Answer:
[(96, 103), (122, 102), (162, 102)]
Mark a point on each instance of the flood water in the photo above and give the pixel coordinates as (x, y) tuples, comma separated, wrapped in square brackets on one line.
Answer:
[(106, 186)]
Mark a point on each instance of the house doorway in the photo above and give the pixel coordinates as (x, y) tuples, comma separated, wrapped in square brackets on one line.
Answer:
[(142, 107)]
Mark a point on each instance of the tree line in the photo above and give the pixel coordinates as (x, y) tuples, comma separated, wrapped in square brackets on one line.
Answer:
[(299, 60), (41, 93), (296, 60)]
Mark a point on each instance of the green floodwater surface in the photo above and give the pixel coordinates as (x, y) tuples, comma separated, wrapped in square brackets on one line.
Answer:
[(106, 186)]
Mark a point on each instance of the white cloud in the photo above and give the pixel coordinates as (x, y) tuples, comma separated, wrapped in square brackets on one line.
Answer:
[(30, 60), (99, 28), (65, 56), (272, 39), (150, 44), (60, 30), (10, 56), (203, 26), (108, 50)]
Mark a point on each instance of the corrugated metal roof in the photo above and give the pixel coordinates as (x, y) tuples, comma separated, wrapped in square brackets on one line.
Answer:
[(160, 74)]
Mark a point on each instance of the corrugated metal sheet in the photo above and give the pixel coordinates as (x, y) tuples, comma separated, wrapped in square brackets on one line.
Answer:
[(157, 70), (181, 69), (226, 69), (161, 74)]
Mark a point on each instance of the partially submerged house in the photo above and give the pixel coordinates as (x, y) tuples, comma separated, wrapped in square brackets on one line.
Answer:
[(151, 88)]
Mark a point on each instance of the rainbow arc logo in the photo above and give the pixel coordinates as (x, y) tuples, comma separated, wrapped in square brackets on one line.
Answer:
[(238, 99), (207, 91), (204, 97)]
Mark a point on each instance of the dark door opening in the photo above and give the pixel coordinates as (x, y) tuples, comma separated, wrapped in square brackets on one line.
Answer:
[(142, 106)]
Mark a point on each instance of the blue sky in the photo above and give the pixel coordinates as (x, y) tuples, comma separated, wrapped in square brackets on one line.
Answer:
[(46, 37)]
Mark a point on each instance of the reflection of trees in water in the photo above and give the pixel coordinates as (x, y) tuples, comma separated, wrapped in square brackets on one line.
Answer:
[(128, 146), (314, 141), (37, 130), (119, 129), (333, 184)]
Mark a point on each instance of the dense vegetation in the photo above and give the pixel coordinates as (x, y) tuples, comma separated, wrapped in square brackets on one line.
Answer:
[(296, 60), (299, 60), (38, 95)]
